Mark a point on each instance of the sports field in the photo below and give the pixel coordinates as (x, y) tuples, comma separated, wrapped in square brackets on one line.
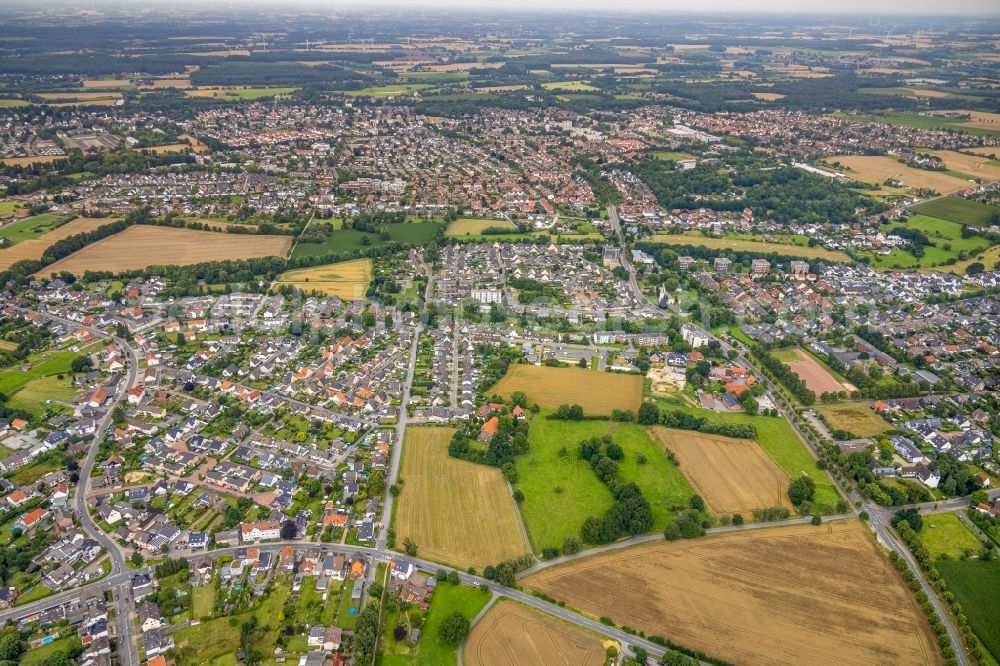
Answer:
[(816, 377), (790, 595), (32, 227), (140, 246), (457, 512), (33, 246), (723, 243), (471, 226), (513, 635), (731, 475), (597, 392), (879, 168), (854, 417), (347, 279)]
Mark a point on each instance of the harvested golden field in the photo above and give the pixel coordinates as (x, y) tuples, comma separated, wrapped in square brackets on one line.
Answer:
[(140, 246), (347, 279), (983, 120), (747, 245), (768, 97), (972, 165), (599, 393), (106, 83), (731, 475), (789, 595), (188, 143), (74, 96), (815, 376), (28, 161), (33, 248), (878, 169), (457, 512), (472, 226), (513, 635), (171, 82)]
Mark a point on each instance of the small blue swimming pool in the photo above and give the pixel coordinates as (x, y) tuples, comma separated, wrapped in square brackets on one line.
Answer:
[(48, 639)]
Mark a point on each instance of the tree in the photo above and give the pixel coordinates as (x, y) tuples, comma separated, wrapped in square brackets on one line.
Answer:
[(410, 547), (909, 516), (81, 364), (649, 414), (454, 628), (136, 559), (287, 530), (519, 398), (801, 490), (697, 503), (11, 647), (641, 655)]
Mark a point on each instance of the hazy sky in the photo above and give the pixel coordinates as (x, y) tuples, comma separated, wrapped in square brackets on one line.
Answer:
[(903, 7)]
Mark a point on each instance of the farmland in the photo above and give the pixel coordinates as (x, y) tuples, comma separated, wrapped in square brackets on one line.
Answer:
[(346, 279), (742, 244), (878, 169), (598, 393), (561, 491), (235, 94), (816, 377), (970, 165), (472, 226), (836, 595), (512, 635), (34, 246), (856, 418), (456, 512), (975, 583), (569, 86), (140, 246), (731, 475), (963, 211), (780, 442)]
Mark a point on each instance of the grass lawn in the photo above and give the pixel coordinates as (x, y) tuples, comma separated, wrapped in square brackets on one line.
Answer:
[(777, 438), (44, 364), (944, 534), (414, 232), (346, 620), (9, 206), (975, 583), (391, 90), (37, 656), (37, 592), (31, 227), (36, 470), (202, 601), (963, 211), (669, 155), (561, 491), (33, 395), (216, 641), (854, 417), (447, 599)]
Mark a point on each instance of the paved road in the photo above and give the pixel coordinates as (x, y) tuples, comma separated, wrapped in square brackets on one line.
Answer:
[(128, 653), (397, 449)]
